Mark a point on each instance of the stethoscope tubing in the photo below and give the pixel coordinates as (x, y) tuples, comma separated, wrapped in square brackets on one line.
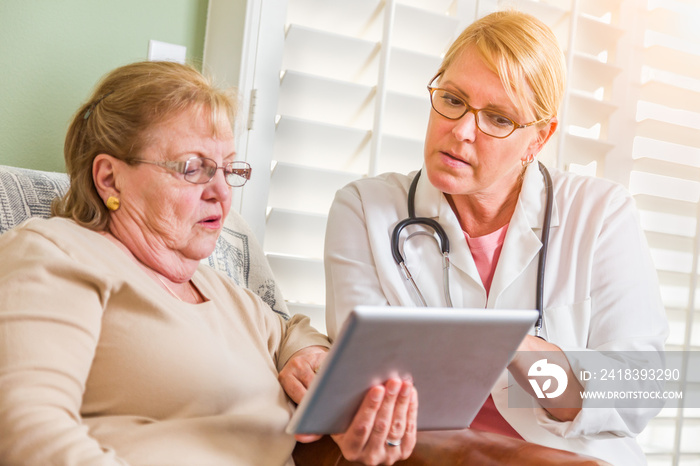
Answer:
[(539, 299), (445, 245)]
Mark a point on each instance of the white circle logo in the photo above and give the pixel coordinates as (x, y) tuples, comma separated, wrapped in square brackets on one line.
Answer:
[(541, 369)]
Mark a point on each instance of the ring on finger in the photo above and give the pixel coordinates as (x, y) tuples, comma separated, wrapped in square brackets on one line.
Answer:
[(393, 443)]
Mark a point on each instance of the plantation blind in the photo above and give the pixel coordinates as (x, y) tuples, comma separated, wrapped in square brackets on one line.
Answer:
[(334, 90), (665, 180), (351, 102)]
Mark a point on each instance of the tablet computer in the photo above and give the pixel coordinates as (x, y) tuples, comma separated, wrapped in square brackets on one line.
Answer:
[(454, 357)]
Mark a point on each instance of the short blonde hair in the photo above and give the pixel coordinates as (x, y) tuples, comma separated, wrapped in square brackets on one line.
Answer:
[(116, 120), (523, 52)]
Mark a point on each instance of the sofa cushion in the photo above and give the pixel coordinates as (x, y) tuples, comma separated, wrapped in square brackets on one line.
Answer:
[(27, 193)]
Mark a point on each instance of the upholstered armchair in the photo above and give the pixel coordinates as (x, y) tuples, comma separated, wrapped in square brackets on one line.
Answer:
[(28, 193)]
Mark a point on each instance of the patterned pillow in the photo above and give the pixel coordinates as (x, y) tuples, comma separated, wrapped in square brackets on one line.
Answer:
[(240, 256), (28, 193)]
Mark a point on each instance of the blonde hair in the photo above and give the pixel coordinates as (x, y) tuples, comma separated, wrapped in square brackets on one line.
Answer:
[(523, 52), (116, 120)]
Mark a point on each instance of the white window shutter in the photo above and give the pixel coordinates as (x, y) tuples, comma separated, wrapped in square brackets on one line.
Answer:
[(665, 180), (341, 94)]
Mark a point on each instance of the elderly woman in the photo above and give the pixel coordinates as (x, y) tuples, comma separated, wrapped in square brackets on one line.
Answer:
[(494, 106), (117, 346)]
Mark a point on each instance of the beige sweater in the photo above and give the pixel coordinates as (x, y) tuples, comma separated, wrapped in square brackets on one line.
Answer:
[(100, 366)]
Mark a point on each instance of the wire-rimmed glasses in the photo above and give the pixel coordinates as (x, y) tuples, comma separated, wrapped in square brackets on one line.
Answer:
[(200, 170), (489, 122)]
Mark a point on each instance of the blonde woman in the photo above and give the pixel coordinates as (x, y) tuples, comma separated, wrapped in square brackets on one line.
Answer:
[(481, 189)]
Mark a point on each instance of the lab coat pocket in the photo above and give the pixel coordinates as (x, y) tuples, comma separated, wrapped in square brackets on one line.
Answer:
[(568, 325)]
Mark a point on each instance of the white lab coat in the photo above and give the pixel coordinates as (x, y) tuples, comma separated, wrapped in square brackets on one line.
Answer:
[(600, 291)]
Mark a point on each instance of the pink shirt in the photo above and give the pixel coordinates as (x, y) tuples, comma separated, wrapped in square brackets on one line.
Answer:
[(486, 250)]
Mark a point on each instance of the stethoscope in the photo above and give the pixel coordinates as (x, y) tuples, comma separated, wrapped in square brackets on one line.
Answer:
[(444, 244)]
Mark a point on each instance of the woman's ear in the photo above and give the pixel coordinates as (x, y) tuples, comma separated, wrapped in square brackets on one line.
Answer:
[(104, 176), (543, 135)]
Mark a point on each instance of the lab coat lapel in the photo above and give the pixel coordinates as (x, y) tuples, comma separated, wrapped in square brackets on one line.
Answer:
[(522, 243)]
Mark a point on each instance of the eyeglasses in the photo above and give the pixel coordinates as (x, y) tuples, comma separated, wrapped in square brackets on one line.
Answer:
[(491, 123), (200, 170)]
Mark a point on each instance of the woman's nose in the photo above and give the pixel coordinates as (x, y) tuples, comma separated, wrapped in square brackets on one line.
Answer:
[(465, 128), (217, 187)]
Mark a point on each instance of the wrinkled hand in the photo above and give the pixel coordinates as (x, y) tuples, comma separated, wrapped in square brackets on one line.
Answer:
[(295, 377), (387, 413)]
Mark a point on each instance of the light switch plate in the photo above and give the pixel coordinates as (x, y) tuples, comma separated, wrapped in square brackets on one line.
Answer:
[(163, 51)]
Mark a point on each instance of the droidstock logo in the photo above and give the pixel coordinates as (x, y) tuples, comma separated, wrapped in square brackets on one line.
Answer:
[(541, 369)]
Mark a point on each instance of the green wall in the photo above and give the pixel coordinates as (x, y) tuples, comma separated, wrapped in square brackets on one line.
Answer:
[(52, 52)]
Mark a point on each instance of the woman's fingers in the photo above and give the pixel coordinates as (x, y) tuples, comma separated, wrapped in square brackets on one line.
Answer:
[(401, 438), (385, 417), (408, 442), (358, 434), (307, 438), (384, 428), (297, 374), (397, 429)]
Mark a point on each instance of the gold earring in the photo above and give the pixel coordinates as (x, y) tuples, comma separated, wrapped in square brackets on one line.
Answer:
[(112, 203), (528, 160)]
